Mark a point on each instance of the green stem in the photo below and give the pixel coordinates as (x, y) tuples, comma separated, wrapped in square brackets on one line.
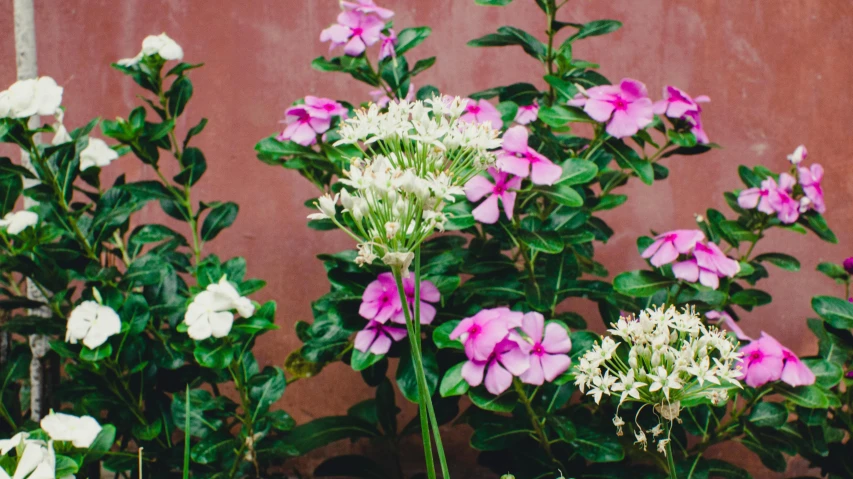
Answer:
[(757, 237), (534, 421), (549, 54), (423, 394), (670, 461)]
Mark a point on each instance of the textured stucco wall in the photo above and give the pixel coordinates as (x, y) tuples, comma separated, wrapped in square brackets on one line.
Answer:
[(777, 72)]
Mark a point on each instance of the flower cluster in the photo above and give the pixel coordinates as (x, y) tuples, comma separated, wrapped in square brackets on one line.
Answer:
[(92, 323), (381, 303), (766, 360), (17, 221), (26, 98), (160, 45), (662, 358), (211, 311), (311, 118), (500, 344), (360, 25), (417, 156), (707, 265), (786, 197), (36, 459), (626, 108)]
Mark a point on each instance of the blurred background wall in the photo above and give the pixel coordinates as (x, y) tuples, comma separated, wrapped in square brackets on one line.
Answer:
[(778, 74)]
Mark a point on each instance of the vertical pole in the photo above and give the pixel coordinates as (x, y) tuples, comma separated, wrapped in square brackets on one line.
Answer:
[(25, 60)]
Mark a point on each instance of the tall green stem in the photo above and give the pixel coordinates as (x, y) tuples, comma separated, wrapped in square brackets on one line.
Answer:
[(670, 461)]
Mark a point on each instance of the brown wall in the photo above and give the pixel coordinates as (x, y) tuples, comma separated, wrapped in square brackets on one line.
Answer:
[(778, 73)]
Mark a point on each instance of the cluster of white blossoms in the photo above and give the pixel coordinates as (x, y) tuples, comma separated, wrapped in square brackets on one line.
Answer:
[(417, 157), (664, 358), (210, 313), (160, 45), (92, 323), (36, 459), (36, 96)]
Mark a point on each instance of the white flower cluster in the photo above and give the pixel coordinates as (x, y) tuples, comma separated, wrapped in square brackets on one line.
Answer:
[(210, 313), (36, 458), (417, 157), (161, 45), (664, 358), (26, 98)]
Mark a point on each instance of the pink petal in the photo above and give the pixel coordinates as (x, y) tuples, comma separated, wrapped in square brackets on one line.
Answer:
[(427, 313), (556, 339), (768, 369), (796, 373), (338, 34), (461, 328), (320, 125), (642, 111), (534, 375), (302, 133), (386, 311), (709, 278), (381, 345), (622, 125), (354, 47), (749, 198), (598, 110), (364, 339), (633, 89), (395, 333), (491, 334), (478, 187), (512, 164), (488, 211), (429, 292), (686, 270), (373, 292), (533, 325), (665, 254), (472, 372), (545, 172), (368, 309), (516, 361), (685, 240), (515, 140), (653, 248), (508, 200), (554, 365), (498, 379)]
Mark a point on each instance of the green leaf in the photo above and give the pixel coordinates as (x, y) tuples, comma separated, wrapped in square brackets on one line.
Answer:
[(219, 218), (422, 65), (608, 202), (684, 139), (827, 374), (266, 388), (350, 466), (178, 95), (274, 149), (780, 260), (409, 38), (816, 223), (327, 430), (564, 195), (493, 3), (193, 165), (558, 115), (835, 311), (548, 242), (507, 36), (453, 384), (768, 414), (217, 355), (807, 396), (363, 360), (64, 466), (406, 379), (497, 437), (195, 131), (629, 159), (724, 470), (94, 355), (834, 271), (441, 336), (483, 399), (595, 28), (201, 401), (459, 215), (751, 298), (577, 172), (640, 283), (213, 447), (103, 442), (147, 190), (597, 445)]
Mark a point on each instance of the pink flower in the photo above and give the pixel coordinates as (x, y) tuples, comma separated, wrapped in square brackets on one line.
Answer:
[(483, 331), (481, 111), (324, 108), (724, 319), (800, 153), (696, 128), (302, 126), (677, 104), (626, 108), (507, 360), (771, 198), (381, 300), (707, 266), (377, 338), (386, 48), (527, 113), (479, 186), (548, 352), (668, 246), (367, 7), (766, 360), (380, 97), (810, 179), (355, 31), (519, 159)]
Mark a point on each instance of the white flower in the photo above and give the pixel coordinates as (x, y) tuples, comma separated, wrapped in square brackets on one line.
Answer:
[(38, 461), (92, 323), (799, 154), (161, 45), (7, 445), (618, 422), (400, 260), (662, 446), (97, 153), (60, 135), (80, 431), (365, 254), (210, 314), (18, 221), (326, 206), (26, 98)]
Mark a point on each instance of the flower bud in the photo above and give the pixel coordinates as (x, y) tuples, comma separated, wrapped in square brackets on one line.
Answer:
[(327, 205), (507, 476), (799, 154), (848, 265)]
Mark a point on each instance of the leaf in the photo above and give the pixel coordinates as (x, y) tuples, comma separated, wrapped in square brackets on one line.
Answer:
[(564, 195), (483, 399), (544, 241), (422, 65), (558, 115), (179, 94), (751, 298), (459, 216), (363, 360), (195, 131), (95, 355), (816, 223), (193, 165), (628, 158), (595, 28), (768, 414), (409, 38), (326, 430), (640, 283), (350, 466), (493, 3), (827, 374), (212, 447), (835, 311), (807, 396), (219, 218), (266, 388), (214, 356), (577, 172), (781, 260), (496, 437), (833, 270), (722, 469), (597, 445), (147, 190), (406, 379), (453, 384), (507, 36), (103, 442), (441, 336)]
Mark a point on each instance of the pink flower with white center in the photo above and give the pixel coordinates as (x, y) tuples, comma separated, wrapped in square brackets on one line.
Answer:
[(527, 113), (667, 246), (800, 153), (507, 360), (367, 7), (377, 338), (355, 31), (389, 42), (480, 333), (481, 111), (810, 179), (766, 360), (548, 351), (380, 97), (723, 318), (519, 159), (302, 126), (626, 108), (707, 266), (678, 104), (479, 187), (324, 108), (381, 300)]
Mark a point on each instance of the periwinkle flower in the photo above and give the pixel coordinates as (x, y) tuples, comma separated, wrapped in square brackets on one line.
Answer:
[(502, 189), (626, 107), (518, 158)]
